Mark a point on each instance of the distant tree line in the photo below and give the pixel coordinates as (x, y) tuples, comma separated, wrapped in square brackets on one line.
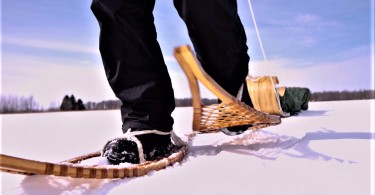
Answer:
[(14, 104), (185, 102), (342, 95), (116, 104), (315, 96), (103, 105)]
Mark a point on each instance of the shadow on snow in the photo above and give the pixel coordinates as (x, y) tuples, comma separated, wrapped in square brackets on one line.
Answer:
[(261, 144)]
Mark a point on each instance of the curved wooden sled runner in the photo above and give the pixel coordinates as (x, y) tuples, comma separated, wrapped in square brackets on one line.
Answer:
[(72, 168), (230, 112)]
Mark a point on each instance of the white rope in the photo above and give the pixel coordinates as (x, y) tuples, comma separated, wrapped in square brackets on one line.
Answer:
[(257, 31), (141, 154), (177, 140), (240, 93), (131, 135), (134, 133), (264, 57)]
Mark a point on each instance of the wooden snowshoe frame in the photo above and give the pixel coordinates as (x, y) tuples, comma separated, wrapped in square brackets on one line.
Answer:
[(230, 112), (72, 168), (211, 118), (265, 96)]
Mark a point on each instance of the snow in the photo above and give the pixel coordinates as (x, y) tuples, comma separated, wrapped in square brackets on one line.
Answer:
[(328, 149)]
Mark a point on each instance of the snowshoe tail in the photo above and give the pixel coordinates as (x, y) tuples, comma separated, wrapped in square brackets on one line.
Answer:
[(230, 112)]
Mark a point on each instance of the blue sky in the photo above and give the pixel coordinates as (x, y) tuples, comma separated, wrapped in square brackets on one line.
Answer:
[(50, 48)]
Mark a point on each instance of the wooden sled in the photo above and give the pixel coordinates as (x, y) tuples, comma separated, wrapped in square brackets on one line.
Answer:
[(72, 168), (265, 96), (230, 112)]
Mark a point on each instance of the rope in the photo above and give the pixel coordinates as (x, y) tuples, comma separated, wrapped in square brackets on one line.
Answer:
[(257, 31), (262, 48), (177, 140)]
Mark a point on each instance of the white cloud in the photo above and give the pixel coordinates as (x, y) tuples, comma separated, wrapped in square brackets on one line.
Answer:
[(309, 41), (345, 74), (51, 44), (169, 59), (302, 22), (48, 81), (307, 18), (181, 86)]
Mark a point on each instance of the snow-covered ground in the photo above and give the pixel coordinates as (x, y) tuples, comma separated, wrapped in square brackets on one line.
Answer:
[(328, 149)]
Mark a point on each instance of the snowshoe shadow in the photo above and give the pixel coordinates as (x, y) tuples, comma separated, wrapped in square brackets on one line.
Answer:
[(39, 184), (303, 149), (312, 113), (260, 144), (270, 146)]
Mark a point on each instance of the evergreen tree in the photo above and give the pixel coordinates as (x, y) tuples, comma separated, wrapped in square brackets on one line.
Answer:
[(80, 105), (66, 104), (73, 102)]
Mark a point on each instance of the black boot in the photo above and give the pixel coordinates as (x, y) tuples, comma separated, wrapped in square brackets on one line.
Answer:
[(125, 150), (236, 130)]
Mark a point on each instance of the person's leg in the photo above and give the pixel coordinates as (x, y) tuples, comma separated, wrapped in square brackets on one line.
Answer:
[(137, 74), (219, 40), (134, 64)]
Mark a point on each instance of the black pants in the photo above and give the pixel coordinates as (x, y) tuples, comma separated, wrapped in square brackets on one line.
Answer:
[(133, 60)]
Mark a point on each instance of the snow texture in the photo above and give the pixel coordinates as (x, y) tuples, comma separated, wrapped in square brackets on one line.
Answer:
[(328, 149)]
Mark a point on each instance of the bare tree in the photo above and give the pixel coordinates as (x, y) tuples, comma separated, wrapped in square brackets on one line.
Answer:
[(14, 104)]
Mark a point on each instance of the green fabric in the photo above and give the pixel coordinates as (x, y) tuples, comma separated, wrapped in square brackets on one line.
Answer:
[(295, 99)]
